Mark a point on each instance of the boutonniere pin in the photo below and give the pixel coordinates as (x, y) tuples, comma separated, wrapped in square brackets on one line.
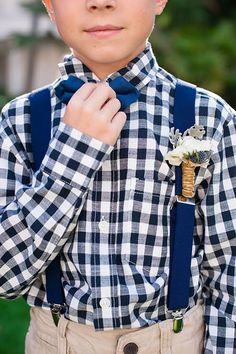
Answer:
[(190, 151)]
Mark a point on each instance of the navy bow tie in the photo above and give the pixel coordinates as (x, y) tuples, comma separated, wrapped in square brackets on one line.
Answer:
[(125, 91)]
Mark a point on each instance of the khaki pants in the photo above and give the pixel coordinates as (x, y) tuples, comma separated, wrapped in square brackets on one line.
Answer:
[(44, 337)]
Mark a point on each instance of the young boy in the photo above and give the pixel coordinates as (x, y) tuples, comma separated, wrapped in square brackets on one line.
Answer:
[(103, 194)]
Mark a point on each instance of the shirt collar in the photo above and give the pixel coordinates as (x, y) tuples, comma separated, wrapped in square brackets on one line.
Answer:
[(138, 71)]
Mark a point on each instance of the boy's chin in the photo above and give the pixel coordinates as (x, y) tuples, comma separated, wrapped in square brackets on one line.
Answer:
[(109, 51), (108, 56)]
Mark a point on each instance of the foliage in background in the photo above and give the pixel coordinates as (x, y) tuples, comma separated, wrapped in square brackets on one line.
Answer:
[(14, 321), (4, 98), (195, 40)]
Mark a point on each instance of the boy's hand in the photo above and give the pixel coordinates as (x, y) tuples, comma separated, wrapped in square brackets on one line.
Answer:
[(93, 110)]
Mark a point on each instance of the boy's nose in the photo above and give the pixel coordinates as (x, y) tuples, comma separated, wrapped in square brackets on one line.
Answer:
[(100, 4)]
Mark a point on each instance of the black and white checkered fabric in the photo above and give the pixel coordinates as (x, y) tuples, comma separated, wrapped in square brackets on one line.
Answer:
[(107, 210)]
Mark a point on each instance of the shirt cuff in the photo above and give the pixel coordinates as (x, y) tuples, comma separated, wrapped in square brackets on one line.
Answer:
[(74, 157)]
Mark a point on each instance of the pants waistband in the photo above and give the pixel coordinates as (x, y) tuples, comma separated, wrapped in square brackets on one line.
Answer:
[(155, 339)]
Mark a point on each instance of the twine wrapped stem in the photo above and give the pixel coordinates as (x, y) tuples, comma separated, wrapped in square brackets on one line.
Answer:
[(188, 178)]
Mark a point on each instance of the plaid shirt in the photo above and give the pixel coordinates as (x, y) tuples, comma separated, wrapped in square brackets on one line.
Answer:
[(107, 210)]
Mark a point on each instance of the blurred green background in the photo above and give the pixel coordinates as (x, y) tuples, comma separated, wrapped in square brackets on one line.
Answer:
[(14, 321), (195, 40)]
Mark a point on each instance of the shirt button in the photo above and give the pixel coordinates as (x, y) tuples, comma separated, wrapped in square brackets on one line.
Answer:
[(105, 303), (103, 225), (131, 348)]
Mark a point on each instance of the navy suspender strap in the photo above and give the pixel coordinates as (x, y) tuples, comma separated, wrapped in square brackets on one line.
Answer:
[(184, 117), (182, 213), (40, 109)]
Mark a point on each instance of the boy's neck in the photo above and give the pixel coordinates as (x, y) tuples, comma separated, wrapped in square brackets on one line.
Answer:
[(103, 70)]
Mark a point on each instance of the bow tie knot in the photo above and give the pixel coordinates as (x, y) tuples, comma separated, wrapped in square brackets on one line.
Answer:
[(125, 91)]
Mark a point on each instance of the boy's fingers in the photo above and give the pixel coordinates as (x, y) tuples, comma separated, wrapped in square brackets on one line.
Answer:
[(110, 108), (119, 121), (102, 93), (85, 91)]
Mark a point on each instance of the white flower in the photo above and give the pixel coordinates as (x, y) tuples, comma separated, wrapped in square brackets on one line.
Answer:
[(187, 145), (191, 144), (175, 156)]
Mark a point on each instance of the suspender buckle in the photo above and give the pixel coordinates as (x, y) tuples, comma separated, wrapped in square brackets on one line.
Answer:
[(57, 310), (180, 199), (184, 200)]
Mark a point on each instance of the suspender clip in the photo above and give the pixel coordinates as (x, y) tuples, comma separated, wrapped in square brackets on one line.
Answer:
[(57, 310), (178, 322)]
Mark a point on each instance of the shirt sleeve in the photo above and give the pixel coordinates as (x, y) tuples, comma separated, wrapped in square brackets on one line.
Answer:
[(38, 211), (218, 267)]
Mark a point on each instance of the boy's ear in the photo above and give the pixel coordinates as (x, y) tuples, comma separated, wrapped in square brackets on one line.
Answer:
[(160, 5), (49, 7)]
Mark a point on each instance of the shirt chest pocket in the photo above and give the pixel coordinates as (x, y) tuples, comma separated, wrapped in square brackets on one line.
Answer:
[(146, 235)]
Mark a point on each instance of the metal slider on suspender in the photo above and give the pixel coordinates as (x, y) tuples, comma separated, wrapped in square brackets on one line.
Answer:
[(57, 310), (180, 199)]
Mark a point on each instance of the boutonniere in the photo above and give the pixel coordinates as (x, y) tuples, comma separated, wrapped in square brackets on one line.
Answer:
[(190, 151)]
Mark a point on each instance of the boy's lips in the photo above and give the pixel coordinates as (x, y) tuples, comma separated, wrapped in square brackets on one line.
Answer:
[(103, 31)]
